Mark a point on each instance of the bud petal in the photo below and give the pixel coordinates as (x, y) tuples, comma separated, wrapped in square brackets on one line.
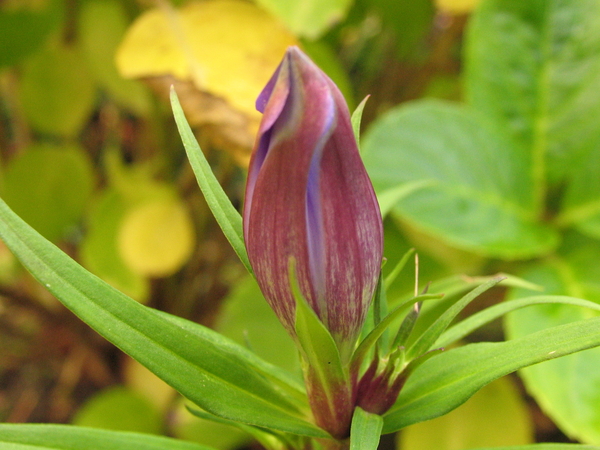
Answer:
[(308, 197)]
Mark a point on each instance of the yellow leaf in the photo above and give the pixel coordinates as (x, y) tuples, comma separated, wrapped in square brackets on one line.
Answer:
[(156, 237), (456, 6), (228, 48)]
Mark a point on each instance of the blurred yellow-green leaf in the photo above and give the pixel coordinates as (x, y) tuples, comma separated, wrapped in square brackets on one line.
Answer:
[(57, 92), (228, 48), (457, 6), (25, 27), (99, 252), (156, 237), (308, 18), (49, 187), (495, 416), (102, 24), (120, 408)]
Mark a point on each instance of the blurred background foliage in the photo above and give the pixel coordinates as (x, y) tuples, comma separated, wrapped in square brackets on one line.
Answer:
[(89, 155)]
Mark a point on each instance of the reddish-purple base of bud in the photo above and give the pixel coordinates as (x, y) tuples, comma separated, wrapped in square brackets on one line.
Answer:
[(378, 389), (332, 405)]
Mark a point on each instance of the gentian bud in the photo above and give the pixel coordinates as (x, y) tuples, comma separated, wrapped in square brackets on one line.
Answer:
[(308, 197)]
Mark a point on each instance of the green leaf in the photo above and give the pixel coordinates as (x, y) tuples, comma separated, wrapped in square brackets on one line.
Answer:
[(568, 389), (369, 341), (247, 318), (467, 326), (426, 341), (212, 372), (98, 249), (479, 198), (49, 186), (67, 437), (25, 29), (57, 92), (390, 197), (308, 18), (102, 25), (496, 415), (227, 216), (318, 346), (365, 430), (357, 119), (447, 380), (544, 447), (533, 68), (119, 408)]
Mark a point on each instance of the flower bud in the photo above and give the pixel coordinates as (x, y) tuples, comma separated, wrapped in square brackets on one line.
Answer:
[(309, 198)]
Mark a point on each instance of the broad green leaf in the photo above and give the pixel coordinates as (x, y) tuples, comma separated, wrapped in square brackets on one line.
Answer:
[(25, 28), (227, 216), (57, 92), (119, 409), (49, 186), (479, 198), (210, 372), (467, 326), (447, 380), (568, 389), (67, 437), (308, 18), (102, 24), (365, 430), (496, 415), (533, 67), (390, 197)]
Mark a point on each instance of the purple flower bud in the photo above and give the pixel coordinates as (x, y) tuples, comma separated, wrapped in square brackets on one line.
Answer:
[(309, 197)]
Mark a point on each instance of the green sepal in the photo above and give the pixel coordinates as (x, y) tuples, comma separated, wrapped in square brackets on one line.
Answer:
[(356, 119), (317, 346), (365, 431), (367, 343), (227, 216)]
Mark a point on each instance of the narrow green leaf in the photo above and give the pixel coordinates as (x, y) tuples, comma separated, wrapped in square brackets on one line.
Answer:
[(398, 268), (425, 342), (68, 437), (449, 379), (214, 377), (365, 431), (467, 326), (227, 216)]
